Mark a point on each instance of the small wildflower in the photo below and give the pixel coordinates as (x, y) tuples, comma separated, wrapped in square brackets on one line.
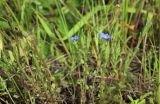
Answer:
[(105, 36), (74, 38)]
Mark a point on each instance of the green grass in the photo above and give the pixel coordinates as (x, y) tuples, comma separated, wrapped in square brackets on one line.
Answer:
[(39, 63)]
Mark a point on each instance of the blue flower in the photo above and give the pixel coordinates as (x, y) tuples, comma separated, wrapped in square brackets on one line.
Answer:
[(105, 36), (74, 38)]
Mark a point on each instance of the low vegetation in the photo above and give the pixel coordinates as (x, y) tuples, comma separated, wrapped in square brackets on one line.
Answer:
[(79, 52)]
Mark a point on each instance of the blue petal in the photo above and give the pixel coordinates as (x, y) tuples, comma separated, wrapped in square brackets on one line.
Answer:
[(74, 37), (105, 36)]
